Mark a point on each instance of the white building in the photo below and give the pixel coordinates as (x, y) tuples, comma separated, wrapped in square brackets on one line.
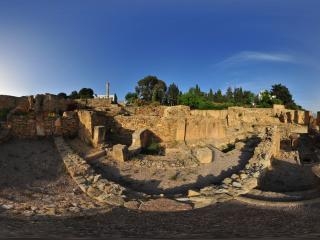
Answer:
[(111, 96), (107, 95)]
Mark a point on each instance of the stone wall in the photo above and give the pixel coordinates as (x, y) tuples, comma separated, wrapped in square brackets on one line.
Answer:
[(87, 121), (69, 125), (179, 123), (94, 102), (11, 102), (38, 103), (32, 125)]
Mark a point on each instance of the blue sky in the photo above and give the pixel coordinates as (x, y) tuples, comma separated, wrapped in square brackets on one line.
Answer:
[(59, 46)]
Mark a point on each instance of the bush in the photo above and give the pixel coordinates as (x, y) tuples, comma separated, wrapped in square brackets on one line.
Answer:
[(153, 149)]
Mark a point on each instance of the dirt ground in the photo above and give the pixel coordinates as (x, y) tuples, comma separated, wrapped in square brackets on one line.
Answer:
[(152, 179), (226, 220), (287, 174), (39, 200), (33, 180)]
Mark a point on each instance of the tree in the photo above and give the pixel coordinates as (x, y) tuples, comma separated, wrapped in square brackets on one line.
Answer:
[(229, 95), (74, 95), (62, 95), (172, 94), (266, 99), (210, 95), (159, 92), (131, 97), (248, 97), (190, 99), (238, 96), (146, 87), (115, 99), (86, 93), (282, 93), (218, 97)]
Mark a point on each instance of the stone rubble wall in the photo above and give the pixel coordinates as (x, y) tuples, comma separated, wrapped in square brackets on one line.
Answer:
[(10, 102), (32, 125), (246, 179), (94, 102), (179, 123), (47, 103), (112, 193), (89, 182)]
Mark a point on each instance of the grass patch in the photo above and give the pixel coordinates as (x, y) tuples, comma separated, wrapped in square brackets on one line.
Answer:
[(153, 149)]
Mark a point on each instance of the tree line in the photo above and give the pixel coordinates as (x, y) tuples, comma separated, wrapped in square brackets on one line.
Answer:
[(84, 93), (150, 89)]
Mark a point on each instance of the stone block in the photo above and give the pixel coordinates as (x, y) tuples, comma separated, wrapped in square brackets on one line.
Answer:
[(92, 157), (192, 193), (120, 152), (294, 139), (99, 135), (239, 145), (177, 111), (141, 138), (204, 155)]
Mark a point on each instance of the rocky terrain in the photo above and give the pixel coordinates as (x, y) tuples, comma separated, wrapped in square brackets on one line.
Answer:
[(167, 172)]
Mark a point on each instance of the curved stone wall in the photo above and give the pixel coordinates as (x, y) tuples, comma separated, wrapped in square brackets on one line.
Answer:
[(114, 194), (89, 182)]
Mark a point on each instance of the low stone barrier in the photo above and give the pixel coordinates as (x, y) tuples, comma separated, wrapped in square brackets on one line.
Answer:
[(112, 193), (246, 179), (89, 182)]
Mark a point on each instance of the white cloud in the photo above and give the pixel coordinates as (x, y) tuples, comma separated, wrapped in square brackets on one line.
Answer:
[(246, 56)]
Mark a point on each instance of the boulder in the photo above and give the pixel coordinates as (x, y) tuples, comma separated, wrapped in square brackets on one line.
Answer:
[(204, 155)]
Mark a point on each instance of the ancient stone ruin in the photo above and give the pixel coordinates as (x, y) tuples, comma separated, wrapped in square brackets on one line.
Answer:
[(135, 156)]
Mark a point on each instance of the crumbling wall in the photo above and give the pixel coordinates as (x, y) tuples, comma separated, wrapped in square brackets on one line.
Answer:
[(32, 125), (69, 124), (7, 102), (94, 102), (87, 121), (179, 123)]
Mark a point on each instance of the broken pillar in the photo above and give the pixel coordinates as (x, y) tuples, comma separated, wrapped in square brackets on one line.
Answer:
[(141, 138), (120, 152), (99, 135), (294, 140)]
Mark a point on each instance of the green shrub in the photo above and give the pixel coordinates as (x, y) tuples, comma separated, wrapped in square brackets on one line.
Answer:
[(153, 149)]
